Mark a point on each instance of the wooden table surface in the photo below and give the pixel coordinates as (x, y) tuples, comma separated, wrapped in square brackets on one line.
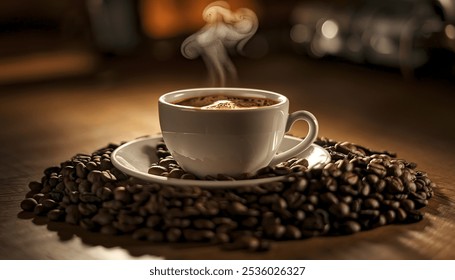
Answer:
[(43, 124)]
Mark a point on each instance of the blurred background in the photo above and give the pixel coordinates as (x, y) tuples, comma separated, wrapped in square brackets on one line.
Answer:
[(54, 40)]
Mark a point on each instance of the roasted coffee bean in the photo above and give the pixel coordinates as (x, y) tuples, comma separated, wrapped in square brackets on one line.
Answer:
[(56, 215), (88, 224), (394, 185), (400, 214), (329, 198), (173, 234), (350, 178), (157, 170), (281, 169), (87, 209), (413, 216), (292, 232), (81, 170), (72, 215), (198, 235), (29, 204), (176, 173), (103, 217), (275, 231), (108, 230), (88, 197), (39, 197), (107, 176), (332, 170), (371, 203), (340, 210), (407, 205), (349, 227), (203, 224), (35, 186), (251, 243), (40, 210), (377, 169), (237, 208)]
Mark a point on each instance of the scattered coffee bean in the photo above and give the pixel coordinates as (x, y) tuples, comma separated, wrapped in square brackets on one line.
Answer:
[(28, 204)]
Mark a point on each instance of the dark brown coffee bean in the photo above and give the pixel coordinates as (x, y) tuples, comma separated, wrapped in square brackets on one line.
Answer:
[(40, 210), (407, 205), (29, 204), (87, 209), (81, 170), (364, 188), (419, 203), (332, 170), (56, 215), (377, 169), (349, 227), (349, 178), (300, 185), (330, 183), (198, 235), (153, 221), (176, 173), (340, 210), (203, 224), (166, 162), (292, 232), (35, 186), (94, 176), (157, 170), (394, 185), (329, 198), (104, 194), (281, 169), (72, 215), (237, 208), (275, 231), (379, 221), (413, 216), (369, 213), (88, 224), (371, 203), (40, 197), (248, 242), (345, 165), (103, 217), (390, 216), (121, 194), (88, 197), (400, 214), (108, 230), (173, 234), (372, 179), (107, 176)]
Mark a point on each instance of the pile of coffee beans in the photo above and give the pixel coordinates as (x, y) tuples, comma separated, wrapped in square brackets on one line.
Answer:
[(359, 189), (167, 166)]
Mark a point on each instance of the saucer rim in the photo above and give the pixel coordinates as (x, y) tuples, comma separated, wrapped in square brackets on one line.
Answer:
[(191, 182)]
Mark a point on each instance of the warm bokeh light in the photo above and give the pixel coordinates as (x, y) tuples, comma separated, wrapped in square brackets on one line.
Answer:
[(166, 19)]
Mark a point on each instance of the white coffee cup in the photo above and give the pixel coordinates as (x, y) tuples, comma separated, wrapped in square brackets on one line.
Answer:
[(229, 141)]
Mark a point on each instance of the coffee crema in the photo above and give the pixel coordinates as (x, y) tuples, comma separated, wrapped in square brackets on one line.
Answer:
[(226, 102)]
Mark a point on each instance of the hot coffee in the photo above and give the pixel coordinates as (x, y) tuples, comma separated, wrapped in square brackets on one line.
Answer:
[(226, 102)]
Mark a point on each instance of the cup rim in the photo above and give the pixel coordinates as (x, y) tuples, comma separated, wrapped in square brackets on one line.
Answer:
[(164, 99)]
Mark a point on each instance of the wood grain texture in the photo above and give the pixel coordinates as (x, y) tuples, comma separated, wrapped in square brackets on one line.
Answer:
[(45, 124)]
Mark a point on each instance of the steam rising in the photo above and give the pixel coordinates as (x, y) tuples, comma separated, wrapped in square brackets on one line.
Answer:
[(224, 30)]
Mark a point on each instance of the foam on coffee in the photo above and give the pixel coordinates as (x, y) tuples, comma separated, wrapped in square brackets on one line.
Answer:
[(226, 102)]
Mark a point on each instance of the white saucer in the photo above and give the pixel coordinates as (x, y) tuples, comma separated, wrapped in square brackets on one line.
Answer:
[(135, 158)]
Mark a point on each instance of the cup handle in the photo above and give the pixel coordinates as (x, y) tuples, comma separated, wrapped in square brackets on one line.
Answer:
[(313, 128)]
